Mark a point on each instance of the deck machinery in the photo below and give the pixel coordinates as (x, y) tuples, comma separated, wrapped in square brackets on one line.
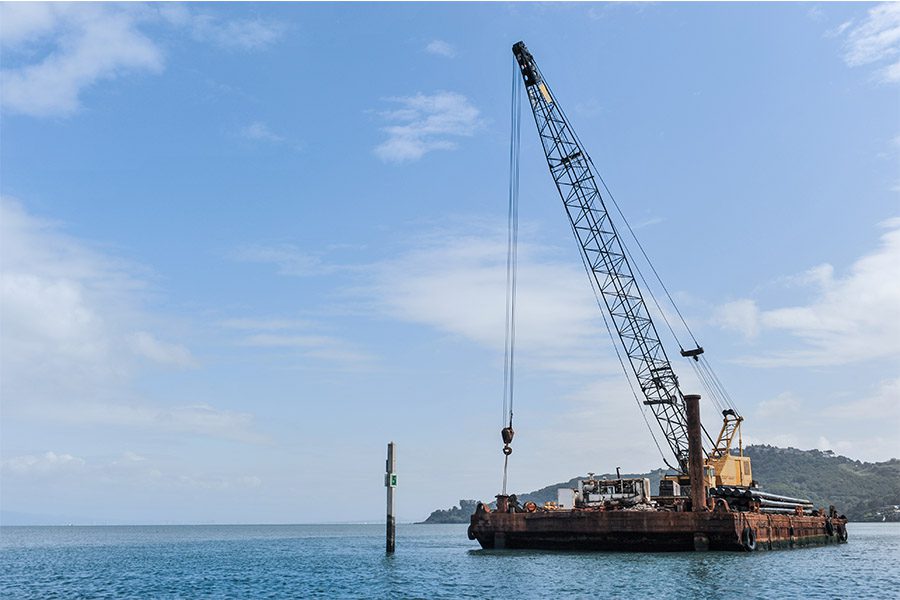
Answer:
[(711, 500)]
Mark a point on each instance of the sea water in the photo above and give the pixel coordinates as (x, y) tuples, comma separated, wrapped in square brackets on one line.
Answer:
[(431, 561)]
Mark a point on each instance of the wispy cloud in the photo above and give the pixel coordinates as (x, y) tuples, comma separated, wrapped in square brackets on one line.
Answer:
[(49, 462), (257, 130), (589, 108), (782, 405), (149, 346), (59, 50), (876, 40), (863, 424), (649, 222), (75, 336), (425, 123), (266, 324), (739, 315), (303, 340), (90, 42), (851, 318), (440, 48), (883, 403), (287, 258), (195, 419), (241, 34), (129, 468), (68, 309), (838, 30), (559, 326)]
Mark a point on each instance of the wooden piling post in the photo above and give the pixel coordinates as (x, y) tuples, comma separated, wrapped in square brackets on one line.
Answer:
[(390, 482)]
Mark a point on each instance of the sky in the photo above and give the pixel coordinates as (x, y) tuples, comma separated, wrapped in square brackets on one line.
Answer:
[(244, 246)]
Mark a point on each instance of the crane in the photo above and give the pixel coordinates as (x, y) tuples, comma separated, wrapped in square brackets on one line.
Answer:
[(608, 264)]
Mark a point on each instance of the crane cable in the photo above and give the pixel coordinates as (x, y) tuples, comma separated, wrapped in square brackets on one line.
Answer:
[(512, 244), (709, 380), (615, 345), (702, 367), (625, 248), (597, 293)]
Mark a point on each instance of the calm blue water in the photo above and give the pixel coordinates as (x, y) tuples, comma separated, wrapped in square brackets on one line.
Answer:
[(432, 561)]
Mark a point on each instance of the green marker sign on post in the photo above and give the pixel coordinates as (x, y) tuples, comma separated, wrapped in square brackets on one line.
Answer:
[(390, 480)]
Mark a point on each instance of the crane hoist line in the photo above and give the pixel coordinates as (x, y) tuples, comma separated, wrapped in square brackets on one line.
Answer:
[(615, 277)]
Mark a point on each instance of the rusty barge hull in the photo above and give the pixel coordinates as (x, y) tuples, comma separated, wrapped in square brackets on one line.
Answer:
[(652, 531)]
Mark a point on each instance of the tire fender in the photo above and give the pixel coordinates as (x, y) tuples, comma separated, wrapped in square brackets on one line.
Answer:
[(748, 539)]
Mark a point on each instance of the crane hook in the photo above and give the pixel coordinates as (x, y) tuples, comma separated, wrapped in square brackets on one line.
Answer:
[(507, 434)]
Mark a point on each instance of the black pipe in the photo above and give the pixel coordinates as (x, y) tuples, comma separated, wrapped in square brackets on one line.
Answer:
[(782, 511), (777, 504), (781, 498)]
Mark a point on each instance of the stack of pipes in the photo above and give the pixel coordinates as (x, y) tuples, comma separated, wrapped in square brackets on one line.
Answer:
[(740, 498)]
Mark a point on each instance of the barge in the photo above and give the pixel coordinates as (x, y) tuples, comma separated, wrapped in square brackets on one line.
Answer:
[(621, 515), (651, 531), (711, 501)]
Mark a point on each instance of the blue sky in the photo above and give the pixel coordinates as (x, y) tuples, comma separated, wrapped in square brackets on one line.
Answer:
[(246, 245)]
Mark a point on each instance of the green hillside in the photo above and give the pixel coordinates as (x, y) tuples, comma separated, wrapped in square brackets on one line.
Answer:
[(858, 489), (862, 491)]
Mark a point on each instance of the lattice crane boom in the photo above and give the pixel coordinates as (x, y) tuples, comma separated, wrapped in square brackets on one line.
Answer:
[(606, 258)]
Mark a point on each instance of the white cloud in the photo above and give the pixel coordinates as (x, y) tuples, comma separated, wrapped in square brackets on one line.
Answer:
[(75, 335), (23, 23), (288, 259), (839, 30), (301, 343), (49, 462), (91, 43), (129, 469), (590, 108), (287, 341), (241, 34), (875, 40), (741, 316), (851, 318), (66, 308), (425, 123), (259, 131), (147, 345), (863, 425), (883, 405), (199, 418), (782, 406), (891, 72), (61, 303), (820, 276), (441, 48), (815, 13), (204, 419), (61, 50), (456, 282), (603, 410), (266, 324)]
